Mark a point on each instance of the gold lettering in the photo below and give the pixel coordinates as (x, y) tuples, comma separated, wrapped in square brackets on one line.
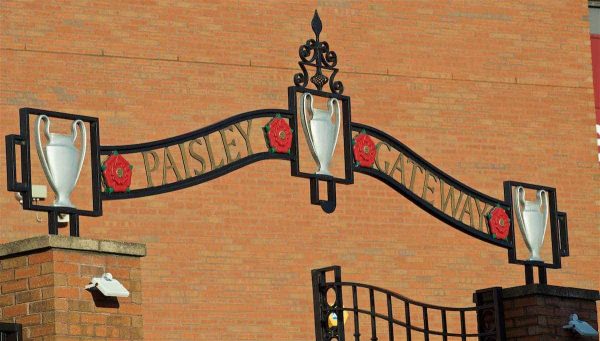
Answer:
[(168, 158), (399, 165), (469, 211), (185, 160), (197, 156), (481, 212), (427, 187), (377, 164), (449, 198), (226, 145), (211, 156), (414, 171), (147, 165), (246, 135)]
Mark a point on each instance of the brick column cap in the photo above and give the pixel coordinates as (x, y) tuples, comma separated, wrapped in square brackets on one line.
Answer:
[(71, 243), (551, 290)]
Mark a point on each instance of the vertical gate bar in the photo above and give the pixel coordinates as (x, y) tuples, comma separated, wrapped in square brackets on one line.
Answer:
[(499, 313), (331, 191), (339, 302), (407, 315), (489, 301), (318, 279), (25, 149), (95, 157), (543, 278), (355, 307), (74, 225), (463, 327), (390, 318), (314, 191), (479, 300), (444, 325), (19, 332), (528, 274), (373, 323), (52, 222), (11, 331), (425, 324)]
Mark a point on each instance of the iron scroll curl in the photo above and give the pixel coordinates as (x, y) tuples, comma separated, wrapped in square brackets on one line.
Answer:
[(317, 54)]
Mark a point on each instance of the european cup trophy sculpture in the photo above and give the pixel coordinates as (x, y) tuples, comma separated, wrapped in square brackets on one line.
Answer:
[(60, 159), (533, 219), (321, 132)]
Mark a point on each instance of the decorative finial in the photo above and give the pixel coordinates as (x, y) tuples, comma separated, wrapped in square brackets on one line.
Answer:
[(316, 24), (316, 54)]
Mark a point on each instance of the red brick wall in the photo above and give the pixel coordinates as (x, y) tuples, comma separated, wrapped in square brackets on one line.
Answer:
[(595, 42), (45, 292), (487, 91), (543, 317)]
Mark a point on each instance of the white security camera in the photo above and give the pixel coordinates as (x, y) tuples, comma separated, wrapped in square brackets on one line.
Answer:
[(580, 327)]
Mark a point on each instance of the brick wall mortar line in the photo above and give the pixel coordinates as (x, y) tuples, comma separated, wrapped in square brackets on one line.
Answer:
[(250, 65)]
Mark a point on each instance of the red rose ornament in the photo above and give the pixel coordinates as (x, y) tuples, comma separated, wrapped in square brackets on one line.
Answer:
[(364, 150), (280, 135), (499, 223), (117, 173)]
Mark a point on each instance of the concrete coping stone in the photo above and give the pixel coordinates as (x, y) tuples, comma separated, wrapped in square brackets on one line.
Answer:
[(551, 290), (72, 243)]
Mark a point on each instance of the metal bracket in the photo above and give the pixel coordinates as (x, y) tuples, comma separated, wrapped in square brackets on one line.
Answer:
[(11, 164), (327, 205)]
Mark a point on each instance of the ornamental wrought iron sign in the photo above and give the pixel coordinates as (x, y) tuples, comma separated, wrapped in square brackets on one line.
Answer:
[(338, 147)]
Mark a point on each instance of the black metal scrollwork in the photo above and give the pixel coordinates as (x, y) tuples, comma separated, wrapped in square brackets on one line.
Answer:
[(400, 312), (316, 54)]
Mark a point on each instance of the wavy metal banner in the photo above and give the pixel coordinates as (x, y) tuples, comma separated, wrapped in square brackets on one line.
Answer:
[(431, 189), (196, 154)]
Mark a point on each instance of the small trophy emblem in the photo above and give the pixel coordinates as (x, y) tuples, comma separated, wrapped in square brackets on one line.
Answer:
[(61, 161), (321, 132), (533, 218)]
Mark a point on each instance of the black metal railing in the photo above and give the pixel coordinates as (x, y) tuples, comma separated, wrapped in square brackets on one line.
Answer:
[(11, 332), (396, 317)]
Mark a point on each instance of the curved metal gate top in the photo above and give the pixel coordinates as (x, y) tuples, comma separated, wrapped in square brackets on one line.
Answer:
[(484, 321)]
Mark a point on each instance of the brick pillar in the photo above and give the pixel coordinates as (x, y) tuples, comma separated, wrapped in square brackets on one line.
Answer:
[(42, 282), (538, 312)]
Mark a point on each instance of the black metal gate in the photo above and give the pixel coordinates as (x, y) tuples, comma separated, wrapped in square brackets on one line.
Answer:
[(390, 316), (11, 332)]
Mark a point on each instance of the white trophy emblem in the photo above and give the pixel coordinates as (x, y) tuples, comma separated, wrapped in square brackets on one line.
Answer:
[(321, 132), (61, 161), (533, 218)]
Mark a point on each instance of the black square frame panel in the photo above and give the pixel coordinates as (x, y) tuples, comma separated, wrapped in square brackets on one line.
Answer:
[(24, 140), (345, 130), (555, 219)]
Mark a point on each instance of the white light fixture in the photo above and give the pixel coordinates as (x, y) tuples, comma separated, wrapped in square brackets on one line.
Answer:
[(580, 327), (108, 286), (38, 192)]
